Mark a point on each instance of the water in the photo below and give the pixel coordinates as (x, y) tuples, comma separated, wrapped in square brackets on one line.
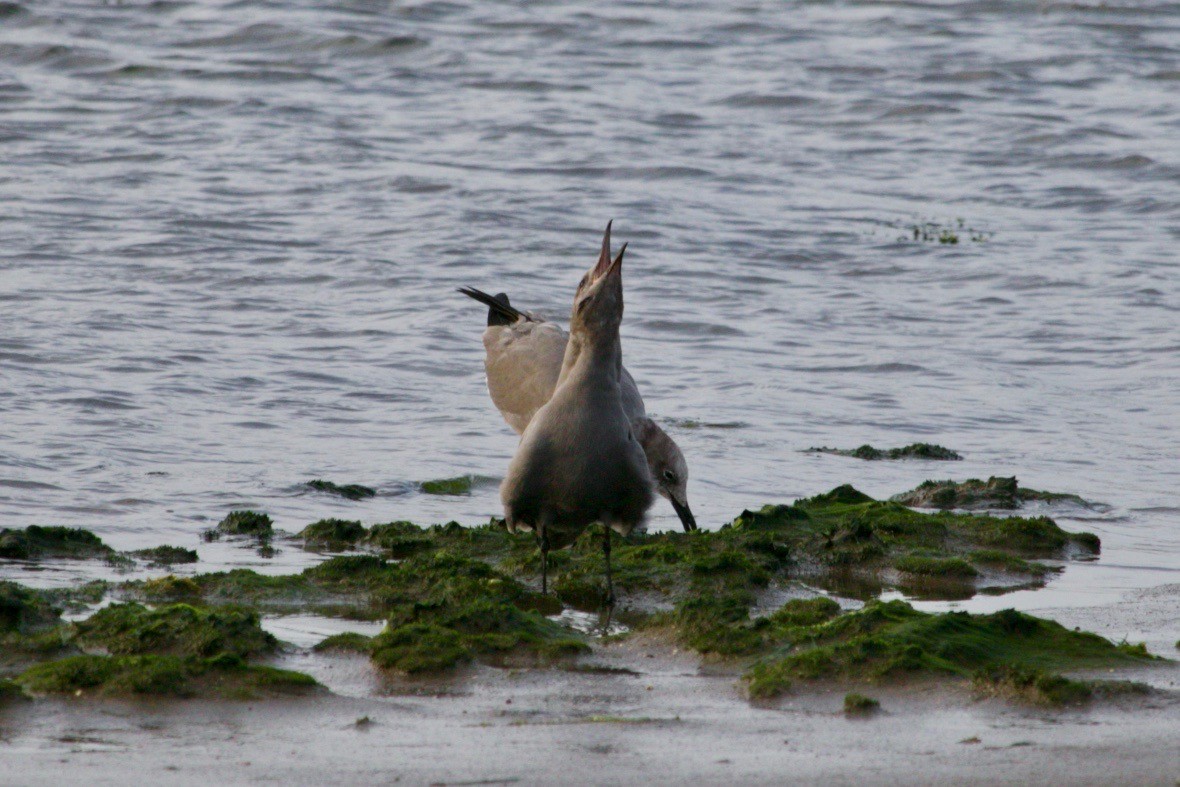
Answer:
[(231, 233)]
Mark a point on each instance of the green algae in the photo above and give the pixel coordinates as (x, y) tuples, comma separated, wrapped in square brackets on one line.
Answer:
[(923, 565), (860, 705), (892, 639), (1032, 685), (445, 609), (805, 612), (169, 588), (460, 485), (23, 609), (996, 492), (398, 539), (176, 629), (246, 523), (912, 451), (419, 647), (36, 542), (347, 491), (10, 690), (348, 641), (333, 534), (846, 533), (166, 555), (225, 675), (175, 650)]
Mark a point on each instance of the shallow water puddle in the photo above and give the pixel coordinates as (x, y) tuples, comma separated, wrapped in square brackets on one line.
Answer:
[(589, 623), (304, 631)]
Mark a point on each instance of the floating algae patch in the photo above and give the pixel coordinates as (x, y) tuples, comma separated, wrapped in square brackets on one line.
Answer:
[(246, 523), (36, 542), (996, 492), (912, 451), (224, 675), (347, 491), (459, 485), (334, 534), (166, 555), (891, 640)]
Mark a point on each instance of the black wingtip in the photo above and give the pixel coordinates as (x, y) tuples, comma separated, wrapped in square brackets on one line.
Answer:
[(500, 311)]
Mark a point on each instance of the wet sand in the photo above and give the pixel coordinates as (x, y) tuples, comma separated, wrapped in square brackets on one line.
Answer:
[(651, 715)]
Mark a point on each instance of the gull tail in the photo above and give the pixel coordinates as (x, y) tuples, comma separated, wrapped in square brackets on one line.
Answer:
[(500, 311)]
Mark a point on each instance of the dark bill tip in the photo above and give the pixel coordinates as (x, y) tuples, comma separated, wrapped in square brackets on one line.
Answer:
[(685, 513)]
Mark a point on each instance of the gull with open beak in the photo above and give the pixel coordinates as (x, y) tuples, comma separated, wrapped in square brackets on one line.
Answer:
[(523, 362), (579, 460)]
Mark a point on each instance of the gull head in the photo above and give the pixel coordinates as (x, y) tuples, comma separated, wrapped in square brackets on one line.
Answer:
[(598, 302), (669, 470)]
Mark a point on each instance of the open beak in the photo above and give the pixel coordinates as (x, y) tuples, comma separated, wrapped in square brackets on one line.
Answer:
[(685, 513), (606, 266)]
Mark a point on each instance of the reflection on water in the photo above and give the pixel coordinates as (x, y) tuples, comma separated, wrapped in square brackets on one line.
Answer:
[(231, 233)]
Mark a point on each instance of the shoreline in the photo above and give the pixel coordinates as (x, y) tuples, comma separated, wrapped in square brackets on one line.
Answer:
[(666, 721)]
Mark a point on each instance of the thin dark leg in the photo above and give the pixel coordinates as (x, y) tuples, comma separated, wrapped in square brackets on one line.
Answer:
[(610, 585), (544, 561)]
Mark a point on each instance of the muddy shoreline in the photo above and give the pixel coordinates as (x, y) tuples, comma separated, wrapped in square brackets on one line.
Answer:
[(757, 653), (669, 721)]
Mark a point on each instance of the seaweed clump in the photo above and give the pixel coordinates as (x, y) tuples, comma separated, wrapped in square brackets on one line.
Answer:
[(860, 705), (893, 640), (446, 610), (131, 629), (176, 650), (996, 492), (348, 641), (911, 451), (246, 523), (460, 485), (166, 555), (225, 675), (333, 534), (23, 609), (36, 542), (441, 608), (347, 491)]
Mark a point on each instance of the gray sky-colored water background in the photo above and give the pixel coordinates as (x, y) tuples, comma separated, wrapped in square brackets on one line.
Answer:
[(231, 233)]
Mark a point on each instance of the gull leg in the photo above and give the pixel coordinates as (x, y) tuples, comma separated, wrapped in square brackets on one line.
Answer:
[(610, 585), (544, 539)]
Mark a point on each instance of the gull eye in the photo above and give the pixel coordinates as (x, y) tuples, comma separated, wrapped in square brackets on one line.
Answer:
[(669, 476)]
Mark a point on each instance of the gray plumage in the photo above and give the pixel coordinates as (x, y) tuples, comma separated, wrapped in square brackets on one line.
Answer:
[(524, 357), (579, 461)]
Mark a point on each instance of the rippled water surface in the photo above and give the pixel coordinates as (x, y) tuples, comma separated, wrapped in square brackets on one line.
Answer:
[(231, 233)]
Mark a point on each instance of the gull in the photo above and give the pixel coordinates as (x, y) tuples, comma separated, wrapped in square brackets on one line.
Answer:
[(523, 362), (579, 461)]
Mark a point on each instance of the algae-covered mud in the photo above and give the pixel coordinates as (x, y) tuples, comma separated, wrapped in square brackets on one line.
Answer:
[(770, 598), (911, 451), (995, 492)]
